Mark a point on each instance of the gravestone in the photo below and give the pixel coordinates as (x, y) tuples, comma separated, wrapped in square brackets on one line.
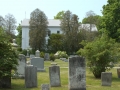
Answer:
[(30, 76), (77, 73), (46, 57), (38, 62), (20, 73), (45, 87), (106, 78), (118, 72), (54, 75), (31, 56), (37, 53)]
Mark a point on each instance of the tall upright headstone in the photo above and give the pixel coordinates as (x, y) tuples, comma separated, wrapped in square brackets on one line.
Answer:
[(118, 72), (30, 76), (54, 75), (21, 66), (106, 78), (46, 57), (77, 73)]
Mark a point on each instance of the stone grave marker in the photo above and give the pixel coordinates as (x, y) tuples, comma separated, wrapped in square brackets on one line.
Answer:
[(46, 57), (118, 72), (45, 87), (54, 75), (77, 73), (30, 76), (106, 78), (38, 62), (37, 53), (20, 73), (31, 56)]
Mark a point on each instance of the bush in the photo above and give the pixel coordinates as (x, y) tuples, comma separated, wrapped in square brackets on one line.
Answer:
[(52, 57), (42, 54), (61, 54), (24, 52), (99, 54)]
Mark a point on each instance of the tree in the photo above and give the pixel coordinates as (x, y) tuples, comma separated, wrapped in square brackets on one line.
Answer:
[(10, 22), (10, 26), (8, 60), (99, 53), (69, 26), (2, 22), (38, 29), (19, 36), (59, 15), (55, 42), (111, 19)]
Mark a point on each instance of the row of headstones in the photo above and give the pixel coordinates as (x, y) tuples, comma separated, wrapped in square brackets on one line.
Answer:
[(77, 75), (36, 61)]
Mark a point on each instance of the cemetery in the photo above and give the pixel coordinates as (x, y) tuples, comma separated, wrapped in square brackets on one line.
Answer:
[(61, 53), (71, 75)]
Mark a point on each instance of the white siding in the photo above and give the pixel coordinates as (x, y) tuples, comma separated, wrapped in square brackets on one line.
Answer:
[(25, 37)]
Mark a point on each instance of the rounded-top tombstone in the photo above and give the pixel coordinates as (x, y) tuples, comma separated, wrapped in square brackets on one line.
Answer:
[(37, 54)]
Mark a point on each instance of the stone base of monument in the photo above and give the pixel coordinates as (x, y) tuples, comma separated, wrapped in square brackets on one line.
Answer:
[(41, 70)]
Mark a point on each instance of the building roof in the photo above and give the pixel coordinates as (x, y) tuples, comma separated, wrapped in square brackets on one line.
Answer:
[(51, 22), (87, 27), (56, 23)]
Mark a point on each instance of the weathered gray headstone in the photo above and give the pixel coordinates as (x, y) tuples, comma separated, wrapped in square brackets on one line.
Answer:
[(77, 73), (30, 76), (106, 78), (118, 72), (37, 53), (5, 82), (20, 73), (54, 75), (31, 56), (45, 87), (39, 63), (46, 57)]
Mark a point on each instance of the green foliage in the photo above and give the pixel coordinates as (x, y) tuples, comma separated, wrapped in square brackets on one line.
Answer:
[(19, 36), (69, 26), (111, 19), (38, 29), (61, 54), (59, 15), (93, 19), (8, 56), (99, 54), (42, 54), (24, 52), (52, 57), (55, 42)]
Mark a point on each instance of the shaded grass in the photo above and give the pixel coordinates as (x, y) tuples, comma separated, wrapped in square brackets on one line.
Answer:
[(43, 77)]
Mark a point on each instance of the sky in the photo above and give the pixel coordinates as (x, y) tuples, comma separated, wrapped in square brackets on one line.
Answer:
[(21, 9)]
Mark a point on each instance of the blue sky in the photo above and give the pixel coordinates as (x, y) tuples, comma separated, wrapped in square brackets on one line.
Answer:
[(50, 7)]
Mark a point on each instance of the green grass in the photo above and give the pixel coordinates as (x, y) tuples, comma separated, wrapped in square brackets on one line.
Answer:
[(43, 77)]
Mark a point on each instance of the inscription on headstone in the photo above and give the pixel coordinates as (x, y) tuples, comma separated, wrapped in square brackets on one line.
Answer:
[(77, 73), (106, 78)]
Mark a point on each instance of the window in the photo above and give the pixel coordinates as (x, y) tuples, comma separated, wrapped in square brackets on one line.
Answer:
[(58, 32), (49, 32)]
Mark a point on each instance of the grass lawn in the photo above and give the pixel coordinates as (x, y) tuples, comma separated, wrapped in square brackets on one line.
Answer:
[(91, 82)]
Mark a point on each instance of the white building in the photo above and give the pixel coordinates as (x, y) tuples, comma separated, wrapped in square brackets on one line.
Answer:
[(53, 27)]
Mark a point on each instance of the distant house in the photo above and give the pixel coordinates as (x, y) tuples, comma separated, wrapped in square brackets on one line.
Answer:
[(53, 27)]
